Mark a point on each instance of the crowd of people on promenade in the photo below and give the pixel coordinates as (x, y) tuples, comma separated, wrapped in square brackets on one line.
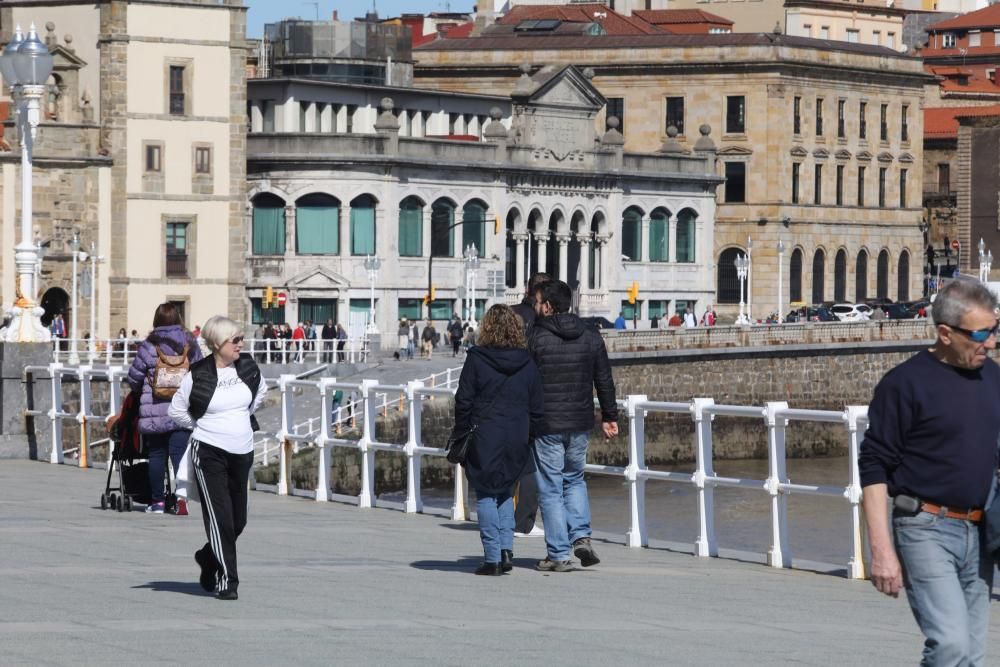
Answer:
[(458, 336), (305, 338)]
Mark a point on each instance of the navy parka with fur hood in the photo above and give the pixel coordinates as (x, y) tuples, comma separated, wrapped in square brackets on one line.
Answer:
[(501, 451)]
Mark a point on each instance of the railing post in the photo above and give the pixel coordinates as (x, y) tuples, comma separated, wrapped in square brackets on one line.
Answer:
[(56, 455), (636, 536), (323, 474), (284, 447), (705, 545), (414, 501), (367, 497), (115, 389), (83, 375), (459, 508), (853, 415), (779, 555)]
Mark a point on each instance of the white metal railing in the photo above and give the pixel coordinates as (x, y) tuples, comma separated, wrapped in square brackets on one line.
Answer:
[(107, 351), (776, 417)]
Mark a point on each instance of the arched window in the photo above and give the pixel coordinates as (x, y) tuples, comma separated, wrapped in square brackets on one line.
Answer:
[(474, 225), (795, 276), (861, 278), (442, 238), (411, 227), (363, 225), (659, 237), (317, 225), (685, 235), (903, 277), (840, 277), (882, 275), (632, 233), (818, 276), (728, 290), (268, 225)]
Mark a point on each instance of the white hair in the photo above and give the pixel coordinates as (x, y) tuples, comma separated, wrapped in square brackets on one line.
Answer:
[(218, 330)]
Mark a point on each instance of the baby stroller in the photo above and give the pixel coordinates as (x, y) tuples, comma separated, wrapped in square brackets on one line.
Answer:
[(128, 457)]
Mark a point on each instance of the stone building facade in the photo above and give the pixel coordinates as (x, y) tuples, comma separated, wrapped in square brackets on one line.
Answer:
[(141, 153), (523, 176), (789, 114)]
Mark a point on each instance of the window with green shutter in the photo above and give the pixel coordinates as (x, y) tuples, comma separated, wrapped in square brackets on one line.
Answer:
[(659, 240), (268, 225), (686, 236), (363, 225), (474, 225), (632, 234), (317, 225), (411, 223)]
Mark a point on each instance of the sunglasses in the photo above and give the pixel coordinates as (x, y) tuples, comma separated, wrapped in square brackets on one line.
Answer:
[(979, 335), (236, 340)]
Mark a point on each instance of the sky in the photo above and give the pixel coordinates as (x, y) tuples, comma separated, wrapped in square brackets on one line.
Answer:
[(272, 11)]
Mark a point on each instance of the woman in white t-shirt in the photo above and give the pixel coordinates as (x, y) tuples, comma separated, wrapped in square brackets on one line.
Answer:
[(216, 400)]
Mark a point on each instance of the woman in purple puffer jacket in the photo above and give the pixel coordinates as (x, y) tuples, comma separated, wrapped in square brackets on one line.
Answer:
[(161, 434)]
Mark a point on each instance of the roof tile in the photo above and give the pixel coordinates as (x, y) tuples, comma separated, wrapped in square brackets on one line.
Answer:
[(987, 17)]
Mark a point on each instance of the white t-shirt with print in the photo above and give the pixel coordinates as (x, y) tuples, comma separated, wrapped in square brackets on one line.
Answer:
[(226, 422)]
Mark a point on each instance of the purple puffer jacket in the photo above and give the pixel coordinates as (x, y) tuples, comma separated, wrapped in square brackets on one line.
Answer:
[(153, 411)]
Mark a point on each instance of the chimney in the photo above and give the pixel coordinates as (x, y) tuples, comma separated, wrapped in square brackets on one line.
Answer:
[(334, 14)]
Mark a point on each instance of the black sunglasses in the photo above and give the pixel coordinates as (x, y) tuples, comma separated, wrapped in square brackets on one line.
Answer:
[(236, 340), (979, 335)]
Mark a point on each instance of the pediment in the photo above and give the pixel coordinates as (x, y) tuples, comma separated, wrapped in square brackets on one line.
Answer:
[(798, 151), (843, 154), (821, 153), (906, 158), (734, 151), (885, 157), (64, 59), (318, 276), (565, 87), (864, 156)]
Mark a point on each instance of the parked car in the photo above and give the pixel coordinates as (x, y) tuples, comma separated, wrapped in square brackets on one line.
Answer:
[(599, 322), (811, 314), (851, 312), (899, 311)]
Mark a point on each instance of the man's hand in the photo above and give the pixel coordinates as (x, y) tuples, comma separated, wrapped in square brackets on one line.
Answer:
[(887, 576), (610, 429)]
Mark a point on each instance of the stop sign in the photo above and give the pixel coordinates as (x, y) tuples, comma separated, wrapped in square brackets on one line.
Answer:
[(955, 245), (282, 298)]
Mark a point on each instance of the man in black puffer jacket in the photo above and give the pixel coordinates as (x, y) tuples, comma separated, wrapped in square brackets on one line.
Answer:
[(573, 360)]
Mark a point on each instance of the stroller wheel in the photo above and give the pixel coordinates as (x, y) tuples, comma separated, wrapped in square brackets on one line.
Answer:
[(104, 501), (128, 503), (111, 500), (120, 505)]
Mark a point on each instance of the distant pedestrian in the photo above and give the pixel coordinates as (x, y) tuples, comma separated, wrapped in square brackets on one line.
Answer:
[(675, 320), (328, 334), (620, 321), (341, 343), (403, 335), (455, 334), (573, 361), (310, 336), (413, 339), (217, 399), (299, 342), (931, 446), (499, 392), (689, 320), (427, 339), (654, 322)]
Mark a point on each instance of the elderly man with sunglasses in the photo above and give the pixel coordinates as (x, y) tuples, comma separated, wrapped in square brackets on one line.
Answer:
[(932, 448)]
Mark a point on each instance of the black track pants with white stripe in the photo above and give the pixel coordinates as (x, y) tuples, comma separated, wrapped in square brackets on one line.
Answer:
[(222, 482)]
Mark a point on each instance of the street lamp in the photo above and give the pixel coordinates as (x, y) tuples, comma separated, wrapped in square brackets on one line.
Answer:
[(742, 265), (94, 259), (985, 262), (372, 265), (25, 65), (74, 354), (749, 279), (472, 263), (781, 266)]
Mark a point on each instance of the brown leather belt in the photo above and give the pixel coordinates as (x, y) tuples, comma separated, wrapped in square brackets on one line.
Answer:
[(975, 516)]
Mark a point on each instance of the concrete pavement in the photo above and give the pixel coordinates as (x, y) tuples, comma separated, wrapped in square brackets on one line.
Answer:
[(329, 584)]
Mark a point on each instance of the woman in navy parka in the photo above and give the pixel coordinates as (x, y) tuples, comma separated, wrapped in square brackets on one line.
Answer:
[(501, 391)]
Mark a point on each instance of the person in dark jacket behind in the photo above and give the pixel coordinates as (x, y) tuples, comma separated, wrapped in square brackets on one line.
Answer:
[(161, 434), (526, 493), (501, 392), (572, 360)]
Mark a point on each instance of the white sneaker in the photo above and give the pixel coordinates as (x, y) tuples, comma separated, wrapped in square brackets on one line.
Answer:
[(536, 531)]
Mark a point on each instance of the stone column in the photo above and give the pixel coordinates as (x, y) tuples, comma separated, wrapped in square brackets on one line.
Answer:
[(585, 242), (425, 233), (672, 238), (542, 240), (345, 230), (644, 239), (520, 267), (563, 240), (290, 231), (602, 242)]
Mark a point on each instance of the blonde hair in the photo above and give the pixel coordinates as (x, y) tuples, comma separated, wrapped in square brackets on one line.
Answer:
[(218, 330)]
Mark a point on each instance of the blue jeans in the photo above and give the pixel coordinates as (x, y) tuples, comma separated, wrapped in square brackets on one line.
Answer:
[(948, 581), (562, 491), (158, 445), (496, 523)]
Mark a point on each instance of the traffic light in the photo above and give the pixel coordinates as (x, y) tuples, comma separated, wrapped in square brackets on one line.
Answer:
[(428, 298), (633, 292), (268, 297), (496, 224)]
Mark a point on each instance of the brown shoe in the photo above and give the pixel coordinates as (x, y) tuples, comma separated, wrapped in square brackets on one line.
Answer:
[(554, 565)]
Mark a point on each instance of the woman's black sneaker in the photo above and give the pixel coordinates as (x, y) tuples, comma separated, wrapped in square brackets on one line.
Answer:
[(228, 594), (506, 560), (490, 569), (207, 564)]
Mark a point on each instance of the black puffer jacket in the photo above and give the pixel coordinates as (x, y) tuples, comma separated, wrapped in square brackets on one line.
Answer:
[(526, 311), (573, 361)]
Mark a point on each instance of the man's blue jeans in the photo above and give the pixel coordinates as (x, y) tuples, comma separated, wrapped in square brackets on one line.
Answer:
[(948, 582), (496, 523), (562, 491)]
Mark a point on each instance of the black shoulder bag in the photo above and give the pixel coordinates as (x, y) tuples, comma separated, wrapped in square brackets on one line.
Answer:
[(459, 443)]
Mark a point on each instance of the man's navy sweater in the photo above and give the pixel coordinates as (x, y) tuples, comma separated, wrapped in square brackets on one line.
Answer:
[(933, 432)]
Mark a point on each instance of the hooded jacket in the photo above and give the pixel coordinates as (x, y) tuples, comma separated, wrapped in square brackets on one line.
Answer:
[(153, 417), (501, 449), (573, 361)]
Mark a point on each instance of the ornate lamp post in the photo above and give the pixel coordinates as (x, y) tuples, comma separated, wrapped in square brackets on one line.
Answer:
[(472, 263), (985, 262), (749, 280), (742, 265), (94, 259), (781, 266), (372, 265), (26, 65)]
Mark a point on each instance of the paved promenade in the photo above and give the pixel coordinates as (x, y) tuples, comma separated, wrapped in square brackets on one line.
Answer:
[(333, 585)]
